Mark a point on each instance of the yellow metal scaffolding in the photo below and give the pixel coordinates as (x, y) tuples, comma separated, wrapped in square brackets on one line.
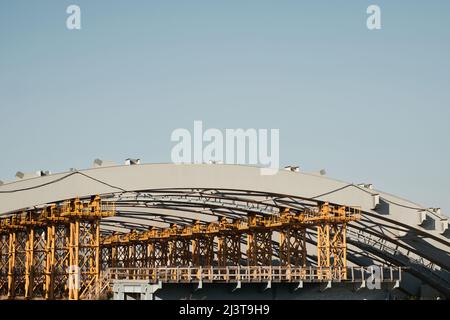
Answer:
[(58, 252), (54, 252)]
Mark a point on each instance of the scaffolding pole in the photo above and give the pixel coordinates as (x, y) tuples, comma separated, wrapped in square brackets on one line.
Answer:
[(293, 247), (229, 250), (58, 252), (323, 251)]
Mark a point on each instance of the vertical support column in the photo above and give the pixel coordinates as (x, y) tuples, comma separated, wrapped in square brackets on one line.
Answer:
[(89, 254), (151, 261), (18, 270), (29, 255), (84, 256), (131, 258), (323, 251), (11, 264), (122, 255), (179, 253), (50, 262), (131, 255), (74, 274), (293, 247), (113, 255), (96, 268), (203, 250), (4, 258), (58, 260), (158, 253), (140, 255), (106, 257), (229, 249), (36, 261), (339, 250), (259, 248), (251, 249)]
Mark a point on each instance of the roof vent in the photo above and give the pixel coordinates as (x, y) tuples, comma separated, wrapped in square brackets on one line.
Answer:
[(41, 173), (131, 162), (28, 175), (103, 163), (20, 175), (366, 185), (292, 168)]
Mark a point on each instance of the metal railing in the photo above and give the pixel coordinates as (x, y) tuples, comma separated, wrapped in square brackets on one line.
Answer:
[(251, 274)]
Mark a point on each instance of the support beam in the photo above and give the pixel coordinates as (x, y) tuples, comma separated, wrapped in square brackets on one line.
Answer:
[(35, 278), (293, 247), (84, 256), (106, 254), (56, 271), (323, 251), (140, 255), (179, 252), (4, 258), (203, 251), (229, 249), (18, 263), (158, 253), (11, 264), (339, 250), (57, 253), (259, 248)]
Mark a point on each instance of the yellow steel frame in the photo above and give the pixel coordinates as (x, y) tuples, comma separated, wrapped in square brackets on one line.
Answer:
[(229, 250), (106, 257), (43, 249), (122, 255), (18, 243), (229, 243), (323, 251), (56, 271), (259, 248), (179, 252), (58, 253), (293, 247), (35, 276), (202, 244), (203, 251), (84, 256), (339, 249), (157, 253), (172, 245), (140, 255), (4, 254), (259, 242)]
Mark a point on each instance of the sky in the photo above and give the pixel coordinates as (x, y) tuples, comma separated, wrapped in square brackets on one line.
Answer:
[(369, 106)]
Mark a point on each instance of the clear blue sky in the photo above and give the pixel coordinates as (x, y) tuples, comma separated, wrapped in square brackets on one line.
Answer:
[(368, 106)]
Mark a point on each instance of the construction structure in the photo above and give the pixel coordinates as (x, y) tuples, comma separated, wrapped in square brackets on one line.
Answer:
[(165, 231)]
